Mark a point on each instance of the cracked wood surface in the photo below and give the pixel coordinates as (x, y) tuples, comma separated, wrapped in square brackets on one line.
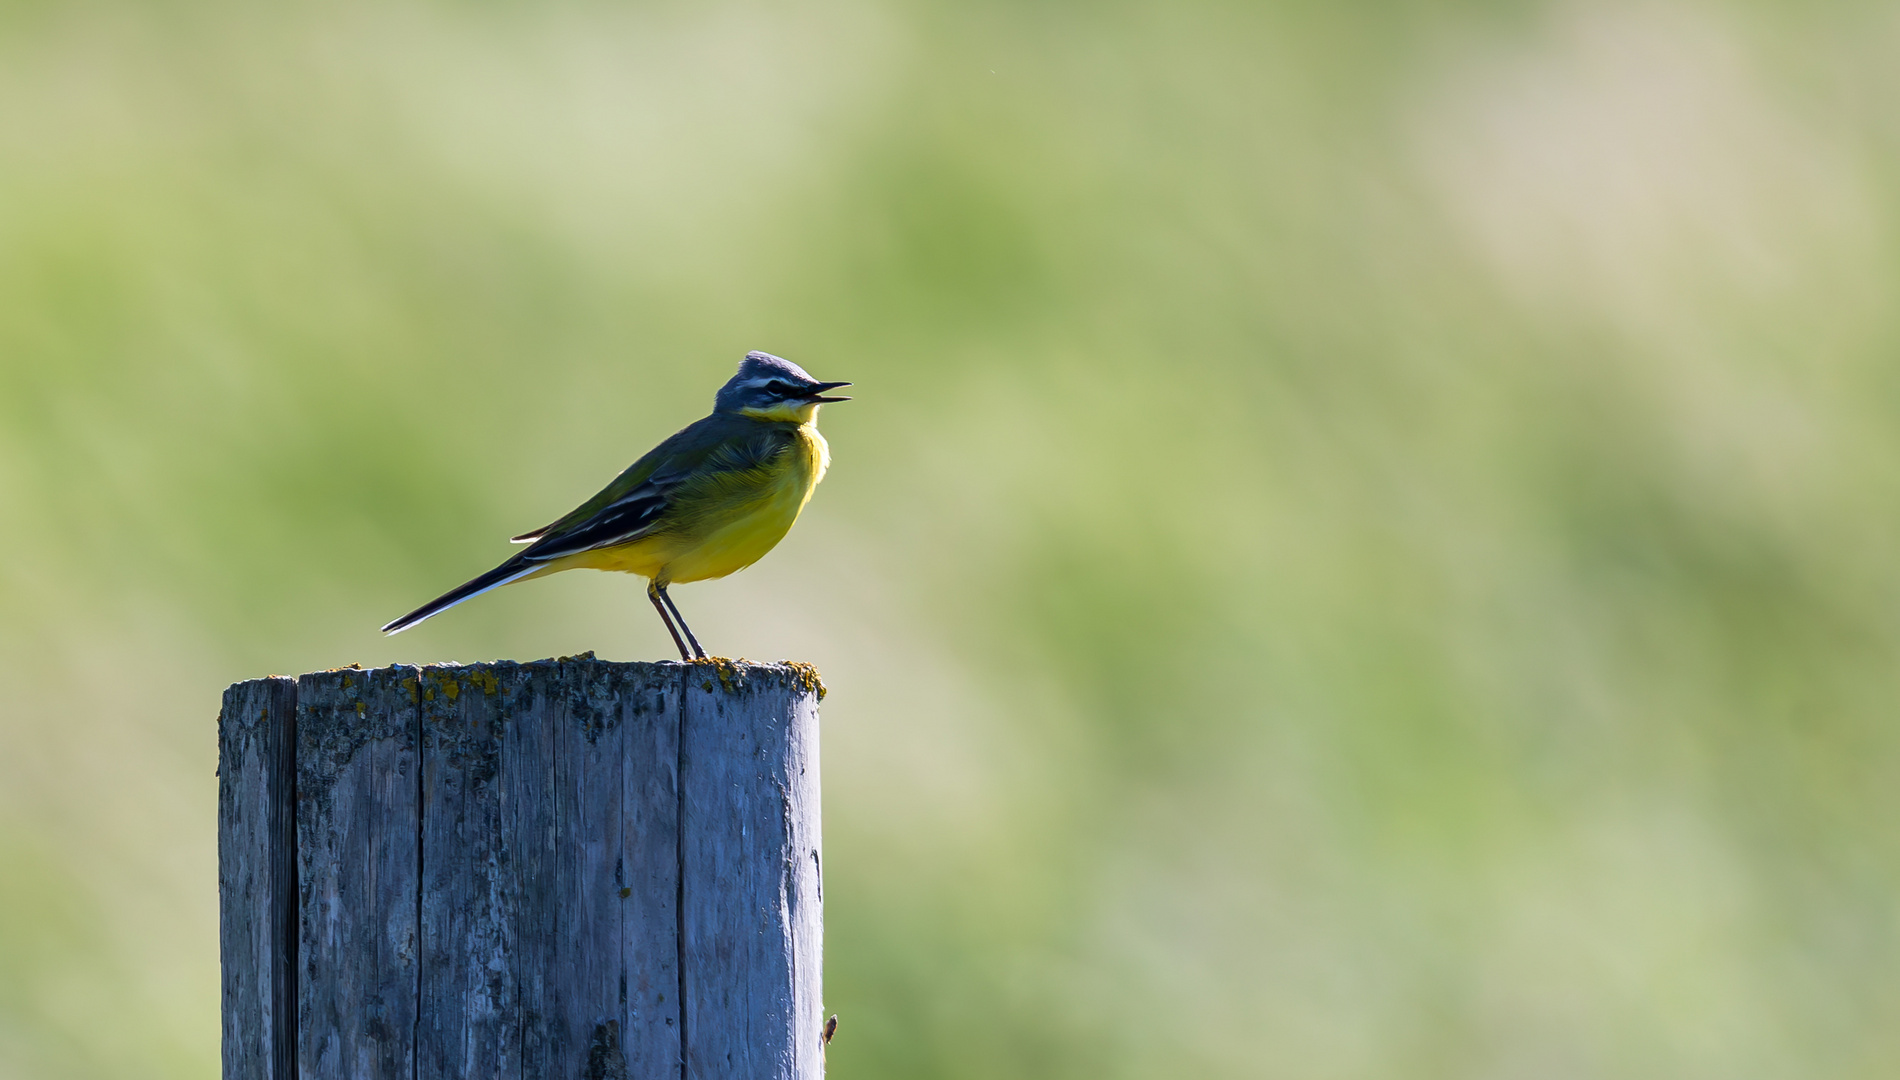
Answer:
[(523, 870)]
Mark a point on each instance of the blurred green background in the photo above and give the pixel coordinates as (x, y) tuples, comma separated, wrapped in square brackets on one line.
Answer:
[(1365, 546)]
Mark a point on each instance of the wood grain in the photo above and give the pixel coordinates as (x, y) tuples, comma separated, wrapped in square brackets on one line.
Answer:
[(257, 877), (594, 816), (751, 920), (358, 784)]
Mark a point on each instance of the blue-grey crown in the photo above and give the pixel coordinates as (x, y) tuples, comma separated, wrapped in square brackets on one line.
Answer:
[(764, 380)]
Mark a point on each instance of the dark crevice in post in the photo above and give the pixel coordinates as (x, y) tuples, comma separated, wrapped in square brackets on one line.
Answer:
[(281, 746), (605, 1060), (679, 903), (422, 955)]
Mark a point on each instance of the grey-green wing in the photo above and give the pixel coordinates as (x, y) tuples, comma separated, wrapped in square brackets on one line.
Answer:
[(723, 454)]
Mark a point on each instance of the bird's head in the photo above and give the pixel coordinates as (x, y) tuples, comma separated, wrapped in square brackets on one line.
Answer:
[(770, 388)]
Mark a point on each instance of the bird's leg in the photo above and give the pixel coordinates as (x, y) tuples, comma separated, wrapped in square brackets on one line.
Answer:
[(681, 619), (654, 592)]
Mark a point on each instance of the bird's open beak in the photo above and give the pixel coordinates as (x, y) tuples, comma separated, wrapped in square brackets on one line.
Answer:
[(816, 393)]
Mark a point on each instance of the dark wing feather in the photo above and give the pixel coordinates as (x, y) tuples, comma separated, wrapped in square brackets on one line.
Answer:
[(623, 520), (713, 450)]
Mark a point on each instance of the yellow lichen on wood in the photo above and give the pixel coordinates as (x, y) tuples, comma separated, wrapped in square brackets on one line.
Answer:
[(440, 680), (731, 674), (807, 677)]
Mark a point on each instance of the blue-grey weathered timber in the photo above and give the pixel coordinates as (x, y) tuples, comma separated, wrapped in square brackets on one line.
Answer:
[(568, 868)]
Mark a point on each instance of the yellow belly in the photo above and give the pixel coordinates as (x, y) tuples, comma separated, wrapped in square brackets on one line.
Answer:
[(722, 543)]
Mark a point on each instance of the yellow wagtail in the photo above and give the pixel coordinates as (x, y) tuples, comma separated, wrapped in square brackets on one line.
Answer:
[(711, 500)]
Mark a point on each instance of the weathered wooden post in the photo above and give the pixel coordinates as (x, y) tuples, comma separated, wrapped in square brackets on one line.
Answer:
[(569, 868)]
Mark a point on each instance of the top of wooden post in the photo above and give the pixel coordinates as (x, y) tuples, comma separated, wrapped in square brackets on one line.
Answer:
[(727, 673), (566, 867)]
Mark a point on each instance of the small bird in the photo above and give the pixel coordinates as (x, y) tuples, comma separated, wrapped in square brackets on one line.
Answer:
[(711, 500)]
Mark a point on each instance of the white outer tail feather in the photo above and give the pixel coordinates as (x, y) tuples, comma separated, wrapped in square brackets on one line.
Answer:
[(406, 622)]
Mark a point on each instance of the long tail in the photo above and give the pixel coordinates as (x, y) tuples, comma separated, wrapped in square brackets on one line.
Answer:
[(512, 570)]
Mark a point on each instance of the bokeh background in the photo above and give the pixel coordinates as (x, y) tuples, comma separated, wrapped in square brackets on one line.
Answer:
[(1367, 546)]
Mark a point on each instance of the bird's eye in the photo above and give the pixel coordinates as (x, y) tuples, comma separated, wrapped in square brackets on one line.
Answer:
[(782, 389)]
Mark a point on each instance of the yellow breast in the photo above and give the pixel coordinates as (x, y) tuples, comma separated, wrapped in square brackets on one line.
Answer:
[(729, 538)]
